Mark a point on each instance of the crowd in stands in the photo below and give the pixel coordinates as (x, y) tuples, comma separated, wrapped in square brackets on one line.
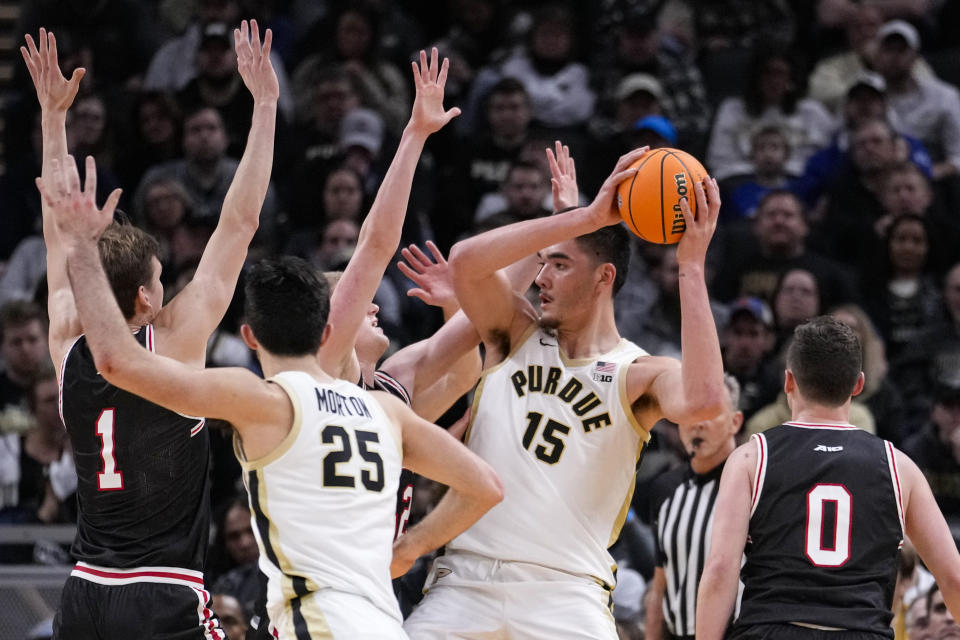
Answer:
[(833, 127)]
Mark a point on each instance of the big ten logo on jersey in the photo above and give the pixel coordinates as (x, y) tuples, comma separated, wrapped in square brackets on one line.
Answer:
[(570, 391), (603, 371), (679, 224)]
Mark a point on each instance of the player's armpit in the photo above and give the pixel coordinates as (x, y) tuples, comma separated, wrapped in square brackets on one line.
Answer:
[(64, 325)]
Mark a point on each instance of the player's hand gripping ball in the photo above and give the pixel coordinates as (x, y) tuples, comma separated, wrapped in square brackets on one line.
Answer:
[(649, 202)]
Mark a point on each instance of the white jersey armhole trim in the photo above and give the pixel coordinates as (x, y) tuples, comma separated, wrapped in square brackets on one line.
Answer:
[(760, 473), (622, 371), (285, 445), (895, 480)]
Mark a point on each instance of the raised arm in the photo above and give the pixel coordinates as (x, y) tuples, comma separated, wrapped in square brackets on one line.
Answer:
[(197, 310), (55, 94), (236, 395), (430, 451), (692, 391), (486, 296), (717, 594), (380, 232), (929, 532)]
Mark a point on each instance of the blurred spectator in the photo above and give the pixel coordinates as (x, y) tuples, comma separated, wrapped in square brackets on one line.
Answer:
[(88, 130), (559, 87), (24, 271), (155, 137), (521, 196), (740, 24), (773, 95), (486, 158), (778, 412), (640, 50), (830, 78), (902, 296), (475, 36), (46, 476), (879, 393), (234, 554), (360, 142), (217, 84), (337, 242), (865, 101), (747, 341), (164, 209), (796, 299), (769, 151), (776, 244), (233, 621), (117, 34), (18, 191), (933, 354), (206, 171), (936, 447), (325, 96), (23, 351), (349, 38), (653, 131), (928, 108), (175, 64)]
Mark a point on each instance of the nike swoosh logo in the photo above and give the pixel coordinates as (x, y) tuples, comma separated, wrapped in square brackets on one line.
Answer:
[(546, 344)]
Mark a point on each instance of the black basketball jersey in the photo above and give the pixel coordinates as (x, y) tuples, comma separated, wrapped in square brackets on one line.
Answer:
[(825, 529), (385, 382), (143, 472)]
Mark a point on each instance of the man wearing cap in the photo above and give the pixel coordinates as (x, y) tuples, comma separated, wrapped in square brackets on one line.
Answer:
[(928, 108), (936, 447), (361, 136), (747, 342)]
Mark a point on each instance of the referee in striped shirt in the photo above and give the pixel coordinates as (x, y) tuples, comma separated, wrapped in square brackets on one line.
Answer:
[(682, 516)]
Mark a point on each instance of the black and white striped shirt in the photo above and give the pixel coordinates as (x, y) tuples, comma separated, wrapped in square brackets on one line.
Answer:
[(683, 520)]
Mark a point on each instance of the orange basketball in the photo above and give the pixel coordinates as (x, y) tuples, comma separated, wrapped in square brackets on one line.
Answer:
[(649, 202)]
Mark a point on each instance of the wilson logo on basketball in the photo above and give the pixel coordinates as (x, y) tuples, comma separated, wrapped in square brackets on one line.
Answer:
[(679, 224)]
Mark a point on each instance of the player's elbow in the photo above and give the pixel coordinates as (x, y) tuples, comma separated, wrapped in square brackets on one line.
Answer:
[(460, 259), (489, 488), (708, 403)]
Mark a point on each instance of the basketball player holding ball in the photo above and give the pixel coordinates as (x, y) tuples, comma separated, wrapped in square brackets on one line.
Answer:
[(562, 412)]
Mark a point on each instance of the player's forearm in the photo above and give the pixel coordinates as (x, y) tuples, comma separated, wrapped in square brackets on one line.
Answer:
[(248, 190), (105, 329), (701, 368), (479, 257), (715, 602), (381, 230), (653, 626), (453, 515)]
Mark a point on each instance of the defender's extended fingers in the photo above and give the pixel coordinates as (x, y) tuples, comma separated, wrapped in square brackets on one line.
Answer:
[(437, 254), (444, 68), (71, 175), (255, 36), (421, 256), (267, 43), (412, 260), (433, 69), (552, 161), (111, 204), (90, 179), (410, 273)]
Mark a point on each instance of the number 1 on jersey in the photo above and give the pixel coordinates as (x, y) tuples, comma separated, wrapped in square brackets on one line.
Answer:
[(109, 479)]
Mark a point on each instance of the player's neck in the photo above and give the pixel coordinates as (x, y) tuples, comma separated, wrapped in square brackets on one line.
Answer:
[(594, 334), (272, 365), (805, 411)]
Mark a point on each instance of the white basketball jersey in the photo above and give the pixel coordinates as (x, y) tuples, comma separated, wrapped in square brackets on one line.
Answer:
[(565, 442), (323, 502)]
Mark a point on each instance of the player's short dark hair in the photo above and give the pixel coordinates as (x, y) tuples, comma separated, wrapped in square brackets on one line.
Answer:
[(609, 244), (286, 305), (127, 255), (17, 313), (826, 359)]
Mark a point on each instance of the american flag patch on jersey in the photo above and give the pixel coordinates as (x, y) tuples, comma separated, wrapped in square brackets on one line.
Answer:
[(605, 367)]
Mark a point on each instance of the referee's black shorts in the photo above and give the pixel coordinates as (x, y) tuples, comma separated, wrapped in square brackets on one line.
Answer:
[(796, 632), (92, 611)]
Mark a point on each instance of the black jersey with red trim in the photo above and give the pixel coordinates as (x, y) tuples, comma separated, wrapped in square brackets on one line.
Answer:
[(383, 381), (143, 471), (825, 530)]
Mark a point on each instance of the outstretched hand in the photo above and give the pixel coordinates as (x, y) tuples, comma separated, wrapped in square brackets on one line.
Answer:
[(54, 91), (695, 240), (432, 277), (429, 80), (74, 209), (253, 62), (563, 178), (604, 210)]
